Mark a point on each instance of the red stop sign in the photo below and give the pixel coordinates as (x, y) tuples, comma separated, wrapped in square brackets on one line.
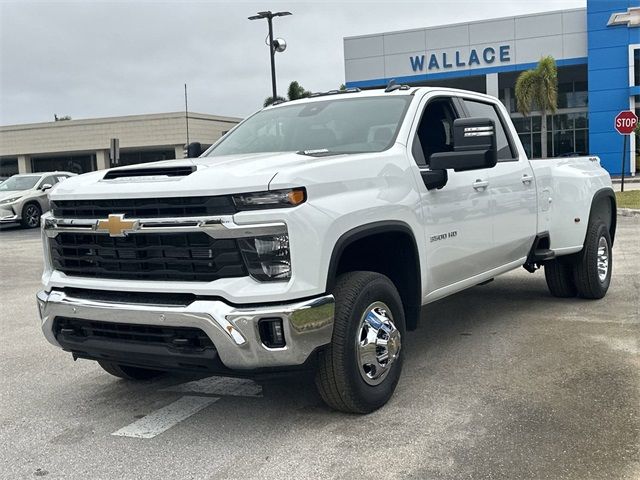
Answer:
[(626, 122)]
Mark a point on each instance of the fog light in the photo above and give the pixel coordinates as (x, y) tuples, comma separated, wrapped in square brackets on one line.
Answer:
[(271, 332)]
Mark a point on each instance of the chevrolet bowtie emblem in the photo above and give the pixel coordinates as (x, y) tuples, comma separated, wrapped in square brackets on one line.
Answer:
[(630, 18), (117, 226)]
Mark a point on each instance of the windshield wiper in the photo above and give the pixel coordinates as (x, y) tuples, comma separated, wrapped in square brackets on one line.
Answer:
[(321, 152)]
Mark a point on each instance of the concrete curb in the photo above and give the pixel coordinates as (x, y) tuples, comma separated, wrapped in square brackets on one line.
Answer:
[(628, 212)]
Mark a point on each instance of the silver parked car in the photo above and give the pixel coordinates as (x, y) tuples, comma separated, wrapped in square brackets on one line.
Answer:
[(23, 198)]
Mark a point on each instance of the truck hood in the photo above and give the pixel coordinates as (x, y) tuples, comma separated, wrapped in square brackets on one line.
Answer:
[(213, 176)]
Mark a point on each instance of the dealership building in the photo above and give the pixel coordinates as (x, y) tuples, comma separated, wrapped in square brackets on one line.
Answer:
[(597, 50), (81, 146)]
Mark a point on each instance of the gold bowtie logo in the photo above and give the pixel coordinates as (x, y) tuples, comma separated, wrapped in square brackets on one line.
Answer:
[(117, 226)]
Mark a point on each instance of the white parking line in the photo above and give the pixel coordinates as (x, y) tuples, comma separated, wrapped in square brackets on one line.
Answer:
[(165, 418), (223, 386)]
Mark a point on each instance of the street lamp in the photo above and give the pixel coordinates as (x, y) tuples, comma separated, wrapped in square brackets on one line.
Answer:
[(277, 45)]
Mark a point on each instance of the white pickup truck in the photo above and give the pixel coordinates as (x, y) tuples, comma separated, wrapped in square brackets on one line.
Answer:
[(310, 237)]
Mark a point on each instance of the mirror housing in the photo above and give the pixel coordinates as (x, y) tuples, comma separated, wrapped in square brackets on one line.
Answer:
[(46, 187), (194, 149), (474, 146), (434, 179)]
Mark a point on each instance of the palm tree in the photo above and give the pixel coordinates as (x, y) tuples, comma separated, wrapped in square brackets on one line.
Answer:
[(269, 100), (537, 89), (294, 92), (297, 91)]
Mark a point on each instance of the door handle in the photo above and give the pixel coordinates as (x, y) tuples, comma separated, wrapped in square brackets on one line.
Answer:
[(527, 179), (480, 184)]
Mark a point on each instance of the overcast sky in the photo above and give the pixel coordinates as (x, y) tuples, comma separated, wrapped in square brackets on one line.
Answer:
[(101, 58)]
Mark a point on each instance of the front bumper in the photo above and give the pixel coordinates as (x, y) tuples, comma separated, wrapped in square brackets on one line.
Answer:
[(234, 331), (8, 216)]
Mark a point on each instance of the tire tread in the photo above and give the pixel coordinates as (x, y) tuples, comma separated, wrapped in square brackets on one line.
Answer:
[(332, 374)]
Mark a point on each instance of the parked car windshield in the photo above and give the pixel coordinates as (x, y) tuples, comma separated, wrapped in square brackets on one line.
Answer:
[(353, 125), (19, 182)]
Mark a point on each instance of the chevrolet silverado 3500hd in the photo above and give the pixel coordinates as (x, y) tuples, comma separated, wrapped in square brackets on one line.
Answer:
[(310, 236)]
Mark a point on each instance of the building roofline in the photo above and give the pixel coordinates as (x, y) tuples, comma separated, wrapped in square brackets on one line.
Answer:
[(457, 24), (118, 119)]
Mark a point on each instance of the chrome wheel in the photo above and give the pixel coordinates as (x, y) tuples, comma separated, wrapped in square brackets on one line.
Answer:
[(603, 259), (377, 343), (32, 214)]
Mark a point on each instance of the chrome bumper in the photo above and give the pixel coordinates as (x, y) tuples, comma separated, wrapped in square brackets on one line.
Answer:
[(234, 331)]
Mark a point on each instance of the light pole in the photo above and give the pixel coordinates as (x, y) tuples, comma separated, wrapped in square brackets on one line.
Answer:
[(277, 45)]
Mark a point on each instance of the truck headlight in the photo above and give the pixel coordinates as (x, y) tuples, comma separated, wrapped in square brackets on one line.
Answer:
[(267, 258), (289, 197)]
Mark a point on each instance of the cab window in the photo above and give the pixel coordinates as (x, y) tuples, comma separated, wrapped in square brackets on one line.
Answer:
[(477, 109), (435, 130)]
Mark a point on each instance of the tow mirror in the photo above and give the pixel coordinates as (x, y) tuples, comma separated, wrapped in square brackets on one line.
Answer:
[(474, 146), (46, 187)]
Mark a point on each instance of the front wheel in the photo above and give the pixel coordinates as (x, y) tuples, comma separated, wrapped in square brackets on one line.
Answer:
[(358, 372), (31, 214)]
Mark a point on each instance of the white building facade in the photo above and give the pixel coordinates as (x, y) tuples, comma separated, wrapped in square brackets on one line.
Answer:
[(81, 146), (597, 50)]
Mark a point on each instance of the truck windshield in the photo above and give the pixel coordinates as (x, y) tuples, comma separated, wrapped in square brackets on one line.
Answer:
[(19, 182), (352, 125)]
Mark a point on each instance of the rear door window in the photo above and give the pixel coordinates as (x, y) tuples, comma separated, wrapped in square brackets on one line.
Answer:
[(478, 109)]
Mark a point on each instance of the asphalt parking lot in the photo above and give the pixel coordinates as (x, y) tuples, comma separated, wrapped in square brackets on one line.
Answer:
[(501, 381)]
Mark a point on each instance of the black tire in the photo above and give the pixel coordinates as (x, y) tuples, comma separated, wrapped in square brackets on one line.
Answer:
[(587, 274), (560, 278), (129, 373), (340, 379), (30, 217)]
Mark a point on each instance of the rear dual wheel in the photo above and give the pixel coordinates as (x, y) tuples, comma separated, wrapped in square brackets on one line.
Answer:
[(586, 274)]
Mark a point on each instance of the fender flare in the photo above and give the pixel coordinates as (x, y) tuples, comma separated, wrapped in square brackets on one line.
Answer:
[(414, 297), (605, 193)]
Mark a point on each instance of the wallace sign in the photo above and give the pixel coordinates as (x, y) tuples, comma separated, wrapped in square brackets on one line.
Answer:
[(443, 60)]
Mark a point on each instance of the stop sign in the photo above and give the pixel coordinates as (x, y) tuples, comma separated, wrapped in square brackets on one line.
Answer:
[(626, 122)]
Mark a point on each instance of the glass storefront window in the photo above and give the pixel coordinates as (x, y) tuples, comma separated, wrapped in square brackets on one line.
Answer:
[(72, 163), (537, 146), (525, 139), (580, 94), (581, 120), (582, 142), (536, 124), (561, 122), (132, 158), (565, 90), (8, 167)]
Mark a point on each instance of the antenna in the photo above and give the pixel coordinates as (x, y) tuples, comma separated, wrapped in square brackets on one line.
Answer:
[(186, 111)]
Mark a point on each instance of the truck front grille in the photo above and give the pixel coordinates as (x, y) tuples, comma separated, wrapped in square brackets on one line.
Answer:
[(189, 256), (144, 207)]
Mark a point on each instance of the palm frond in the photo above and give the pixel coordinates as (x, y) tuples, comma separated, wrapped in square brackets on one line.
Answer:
[(538, 88), (525, 91)]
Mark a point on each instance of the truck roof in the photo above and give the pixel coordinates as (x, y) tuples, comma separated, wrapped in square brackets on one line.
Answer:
[(378, 92)]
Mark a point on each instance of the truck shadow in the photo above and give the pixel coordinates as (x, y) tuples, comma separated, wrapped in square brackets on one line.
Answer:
[(446, 326)]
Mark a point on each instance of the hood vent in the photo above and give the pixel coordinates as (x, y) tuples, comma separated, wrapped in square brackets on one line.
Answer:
[(150, 172)]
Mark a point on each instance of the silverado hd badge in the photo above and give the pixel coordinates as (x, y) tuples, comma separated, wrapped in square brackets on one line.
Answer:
[(443, 236), (117, 226)]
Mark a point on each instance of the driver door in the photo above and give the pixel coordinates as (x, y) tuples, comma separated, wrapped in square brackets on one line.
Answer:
[(456, 218)]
